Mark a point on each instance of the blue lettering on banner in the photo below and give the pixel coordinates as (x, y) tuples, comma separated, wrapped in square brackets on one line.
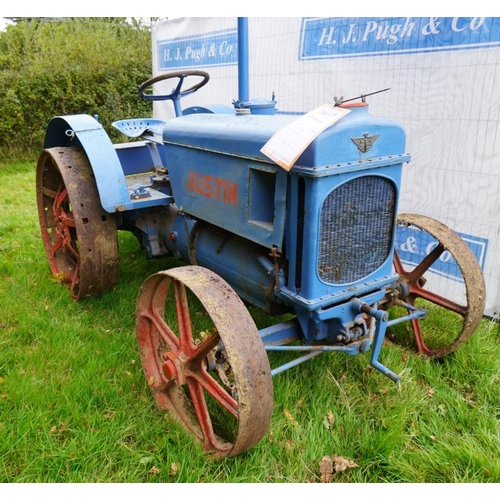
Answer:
[(413, 245), (334, 37), (210, 49)]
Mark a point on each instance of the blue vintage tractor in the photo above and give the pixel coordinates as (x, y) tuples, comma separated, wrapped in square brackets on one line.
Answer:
[(315, 245)]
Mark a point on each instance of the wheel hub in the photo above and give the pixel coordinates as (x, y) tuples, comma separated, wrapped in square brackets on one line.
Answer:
[(173, 368)]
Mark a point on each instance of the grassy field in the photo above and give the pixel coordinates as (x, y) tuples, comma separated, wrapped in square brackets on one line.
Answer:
[(75, 406)]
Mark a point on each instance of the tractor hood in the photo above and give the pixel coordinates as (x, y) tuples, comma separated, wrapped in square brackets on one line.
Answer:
[(245, 135)]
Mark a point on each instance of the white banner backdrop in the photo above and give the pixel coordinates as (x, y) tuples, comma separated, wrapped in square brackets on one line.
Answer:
[(444, 80)]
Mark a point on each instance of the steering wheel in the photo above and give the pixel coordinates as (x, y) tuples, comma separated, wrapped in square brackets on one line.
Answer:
[(177, 94)]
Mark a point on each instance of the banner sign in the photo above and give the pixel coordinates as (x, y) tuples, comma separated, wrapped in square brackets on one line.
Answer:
[(333, 37), (443, 74), (210, 49), (413, 245)]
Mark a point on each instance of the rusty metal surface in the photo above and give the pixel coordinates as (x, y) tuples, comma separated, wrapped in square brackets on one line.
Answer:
[(214, 376), (415, 281), (80, 238)]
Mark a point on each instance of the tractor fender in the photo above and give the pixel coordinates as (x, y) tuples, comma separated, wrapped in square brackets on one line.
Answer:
[(86, 132)]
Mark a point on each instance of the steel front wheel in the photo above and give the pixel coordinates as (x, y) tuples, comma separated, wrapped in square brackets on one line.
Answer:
[(203, 358), (80, 238), (439, 273)]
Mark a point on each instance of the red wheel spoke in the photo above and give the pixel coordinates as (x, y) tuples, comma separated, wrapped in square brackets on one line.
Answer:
[(419, 339), (155, 362), (440, 301), (218, 392), (413, 275), (73, 250), (66, 246), (398, 266), (154, 311), (424, 266), (205, 379), (203, 416), (67, 219), (202, 350), (60, 198), (74, 279), (49, 192), (57, 245), (183, 318), (162, 328)]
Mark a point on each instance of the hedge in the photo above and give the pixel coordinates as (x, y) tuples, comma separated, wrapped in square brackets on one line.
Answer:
[(69, 66)]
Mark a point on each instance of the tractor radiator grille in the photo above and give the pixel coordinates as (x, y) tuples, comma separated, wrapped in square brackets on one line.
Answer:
[(356, 226)]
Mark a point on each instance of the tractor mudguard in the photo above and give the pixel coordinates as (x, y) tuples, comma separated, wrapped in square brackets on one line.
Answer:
[(86, 132)]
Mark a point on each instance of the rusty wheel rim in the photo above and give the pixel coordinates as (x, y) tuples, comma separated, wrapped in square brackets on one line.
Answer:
[(457, 307), (204, 362), (80, 238)]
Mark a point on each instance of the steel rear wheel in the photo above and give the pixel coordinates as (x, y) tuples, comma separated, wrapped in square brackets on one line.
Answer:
[(80, 238), (203, 358), (440, 274)]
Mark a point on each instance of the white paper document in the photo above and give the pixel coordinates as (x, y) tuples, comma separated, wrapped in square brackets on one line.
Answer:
[(286, 145)]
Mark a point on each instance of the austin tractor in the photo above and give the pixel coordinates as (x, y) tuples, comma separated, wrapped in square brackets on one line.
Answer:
[(314, 245)]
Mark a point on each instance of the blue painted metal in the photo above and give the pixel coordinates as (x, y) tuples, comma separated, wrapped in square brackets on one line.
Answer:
[(257, 106), (243, 60), (316, 242), (140, 157), (416, 314), (261, 106), (381, 320), (219, 109), (146, 128), (213, 171), (240, 262), (281, 333), (85, 132), (295, 362), (313, 351), (207, 154), (223, 133), (391, 140)]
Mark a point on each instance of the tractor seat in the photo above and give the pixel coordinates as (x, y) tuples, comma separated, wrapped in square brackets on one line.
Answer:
[(147, 128)]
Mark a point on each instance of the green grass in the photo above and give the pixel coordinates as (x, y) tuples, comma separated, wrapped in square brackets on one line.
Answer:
[(75, 407)]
